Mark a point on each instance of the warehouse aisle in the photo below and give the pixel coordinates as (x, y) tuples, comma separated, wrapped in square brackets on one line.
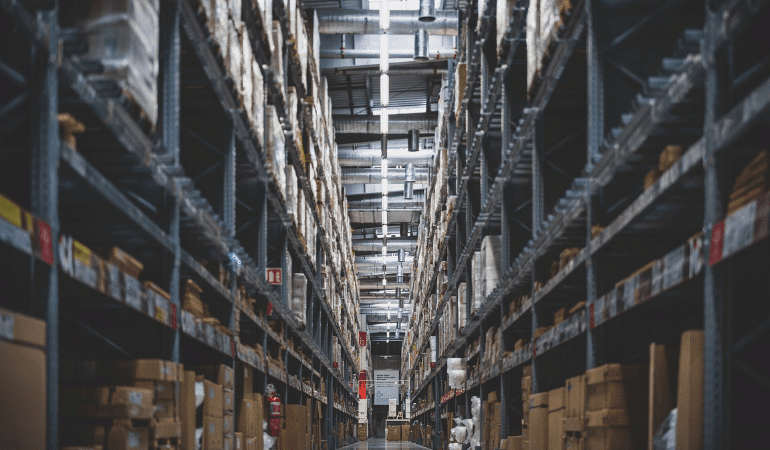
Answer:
[(382, 444)]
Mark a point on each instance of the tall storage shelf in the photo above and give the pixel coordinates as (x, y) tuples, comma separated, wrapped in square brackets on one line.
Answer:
[(191, 196), (607, 174)]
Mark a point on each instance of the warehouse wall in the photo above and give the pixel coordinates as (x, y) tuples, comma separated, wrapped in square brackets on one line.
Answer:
[(380, 413)]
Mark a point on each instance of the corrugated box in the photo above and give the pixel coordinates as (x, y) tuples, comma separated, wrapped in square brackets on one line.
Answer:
[(145, 369), (125, 437), (213, 404), (23, 390), (616, 438), (689, 399), (213, 432), (615, 386), (187, 410), (538, 420), (575, 403), (556, 406), (220, 374), (394, 433)]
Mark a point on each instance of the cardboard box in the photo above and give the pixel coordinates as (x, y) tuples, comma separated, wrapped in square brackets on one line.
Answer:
[(220, 374), (23, 390), (575, 403), (251, 444), (362, 431), (122, 437), (689, 398), (228, 424), (145, 369), (573, 442), (124, 402), (556, 406), (394, 433), (616, 438), (165, 429), (247, 419), (187, 410), (406, 431), (238, 441), (213, 404), (80, 447), (538, 420), (245, 379), (296, 427), (229, 442), (164, 390), (615, 386), (213, 433), (662, 394), (228, 400), (514, 443)]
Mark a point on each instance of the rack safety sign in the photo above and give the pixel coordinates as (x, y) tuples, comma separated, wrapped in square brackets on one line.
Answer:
[(274, 276)]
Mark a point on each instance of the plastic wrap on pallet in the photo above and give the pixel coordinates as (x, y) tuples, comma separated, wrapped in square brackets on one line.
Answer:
[(258, 103), (123, 36), (221, 32), (276, 150), (503, 16), (491, 262), (299, 298), (276, 55), (132, 292), (533, 41), (246, 88), (477, 286), (302, 49), (234, 55), (461, 305), (234, 9), (550, 22)]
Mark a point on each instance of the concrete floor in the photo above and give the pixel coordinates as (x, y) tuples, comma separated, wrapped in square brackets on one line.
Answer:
[(381, 444)]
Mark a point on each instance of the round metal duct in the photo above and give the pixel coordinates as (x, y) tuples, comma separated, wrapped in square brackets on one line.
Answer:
[(413, 140), (421, 45), (427, 11)]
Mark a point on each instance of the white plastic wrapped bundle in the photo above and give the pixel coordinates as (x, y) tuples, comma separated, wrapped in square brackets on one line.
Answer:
[(533, 42), (469, 425), (475, 407), (491, 262), (478, 290), (234, 61), (299, 297), (123, 36), (504, 13), (476, 438), (455, 446), (268, 441), (457, 378), (461, 302), (258, 102), (549, 23), (276, 148)]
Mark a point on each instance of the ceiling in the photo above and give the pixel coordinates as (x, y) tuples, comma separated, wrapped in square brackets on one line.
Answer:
[(354, 86)]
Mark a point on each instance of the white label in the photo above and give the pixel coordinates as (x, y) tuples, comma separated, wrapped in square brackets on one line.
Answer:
[(6, 326), (135, 398), (739, 229), (212, 392), (133, 439)]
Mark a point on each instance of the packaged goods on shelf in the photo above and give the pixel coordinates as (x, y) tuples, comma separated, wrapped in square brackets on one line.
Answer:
[(538, 420), (751, 183), (123, 36), (234, 60), (556, 405), (534, 51), (505, 9), (276, 55), (651, 178), (477, 285), (461, 308), (275, 149), (461, 79), (669, 156), (23, 391), (491, 263), (246, 86), (689, 398)]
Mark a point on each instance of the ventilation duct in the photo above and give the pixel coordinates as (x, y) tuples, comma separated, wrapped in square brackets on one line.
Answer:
[(409, 179), (375, 245), (357, 21), (413, 140), (421, 45), (397, 124), (427, 11), (343, 53), (374, 176), (373, 158)]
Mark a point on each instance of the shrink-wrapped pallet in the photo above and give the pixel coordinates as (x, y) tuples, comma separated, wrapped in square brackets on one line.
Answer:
[(276, 56), (490, 250), (477, 286), (234, 61), (533, 42), (504, 14), (123, 36), (462, 290), (246, 87), (299, 298), (275, 149), (258, 103)]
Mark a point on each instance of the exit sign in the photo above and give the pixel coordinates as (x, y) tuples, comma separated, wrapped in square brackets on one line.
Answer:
[(274, 276)]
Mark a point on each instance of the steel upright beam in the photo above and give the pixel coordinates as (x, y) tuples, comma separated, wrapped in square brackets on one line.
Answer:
[(44, 201), (595, 83), (715, 296), (169, 124), (538, 191), (592, 338)]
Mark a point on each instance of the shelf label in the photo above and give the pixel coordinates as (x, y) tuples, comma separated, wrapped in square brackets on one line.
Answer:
[(174, 323), (44, 241), (274, 276), (362, 338)]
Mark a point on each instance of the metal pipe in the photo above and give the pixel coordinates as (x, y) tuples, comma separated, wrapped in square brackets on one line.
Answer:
[(375, 245), (343, 53), (397, 124), (421, 45), (374, 286), (409, 179), (373, 158), (391, 259), (427, 11), (356, 21), (374, 176), (413, 140)]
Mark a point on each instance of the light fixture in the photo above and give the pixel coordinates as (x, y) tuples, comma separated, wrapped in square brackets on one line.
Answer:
[(384, 15)]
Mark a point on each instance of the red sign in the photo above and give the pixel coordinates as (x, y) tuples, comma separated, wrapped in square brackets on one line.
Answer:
[(362, 384), (362, 338), (274, 276), (717, 240)]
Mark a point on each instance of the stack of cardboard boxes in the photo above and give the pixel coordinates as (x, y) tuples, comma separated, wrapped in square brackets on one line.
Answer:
[(616, 407), (23, 389), (491, 422)]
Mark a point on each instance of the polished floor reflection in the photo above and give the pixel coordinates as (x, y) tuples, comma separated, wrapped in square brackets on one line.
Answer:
[(382, 444)]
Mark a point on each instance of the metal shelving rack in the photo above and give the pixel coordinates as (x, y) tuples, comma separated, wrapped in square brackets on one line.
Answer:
[(582, 167), (140, 189)]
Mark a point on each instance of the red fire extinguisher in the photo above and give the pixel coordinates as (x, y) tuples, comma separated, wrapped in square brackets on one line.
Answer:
[(274, 414)]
